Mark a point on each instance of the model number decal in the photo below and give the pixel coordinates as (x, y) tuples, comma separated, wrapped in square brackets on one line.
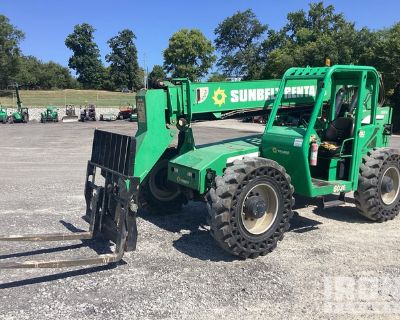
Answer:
[(298, 143), (339, 188)]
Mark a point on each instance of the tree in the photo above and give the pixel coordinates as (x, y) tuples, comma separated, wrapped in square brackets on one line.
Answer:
[(308, 38), (216, 77), (124, 66), (10, 37), (386, 56), (156, 75), (34, 74), (238, 41), (86, 56), (28, 73), (189, 54)]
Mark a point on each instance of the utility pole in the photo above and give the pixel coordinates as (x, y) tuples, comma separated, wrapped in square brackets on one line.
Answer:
[(145, 72)]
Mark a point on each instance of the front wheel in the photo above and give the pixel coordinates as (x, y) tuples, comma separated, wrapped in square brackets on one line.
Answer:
[(378, 193), (250, 207), (157, 194)]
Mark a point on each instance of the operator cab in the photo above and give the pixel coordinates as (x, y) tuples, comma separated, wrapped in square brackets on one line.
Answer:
[(326, 140)]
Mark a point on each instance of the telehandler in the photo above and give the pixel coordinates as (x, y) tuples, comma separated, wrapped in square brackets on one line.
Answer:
[(21, 115), (338, 144)]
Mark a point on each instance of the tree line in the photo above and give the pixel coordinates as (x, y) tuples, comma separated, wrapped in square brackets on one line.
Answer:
[(244, 47)]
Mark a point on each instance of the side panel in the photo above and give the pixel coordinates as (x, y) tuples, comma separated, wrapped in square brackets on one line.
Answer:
[(286, 145), (190, 169), (153, 136)]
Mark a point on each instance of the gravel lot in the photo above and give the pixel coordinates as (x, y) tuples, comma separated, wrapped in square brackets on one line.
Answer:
[(177, 272)]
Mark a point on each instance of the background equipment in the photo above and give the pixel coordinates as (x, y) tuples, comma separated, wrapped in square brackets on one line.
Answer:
[(21, 115), (70, 115), (49, 115), (125, 112), (108, 117), (327, 133), (3, 114), (88, 113)]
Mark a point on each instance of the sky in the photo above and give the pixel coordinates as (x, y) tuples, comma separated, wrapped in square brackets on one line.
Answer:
[(47, 23)]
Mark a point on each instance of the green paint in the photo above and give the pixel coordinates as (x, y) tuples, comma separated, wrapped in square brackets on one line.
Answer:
[(22, 114), (50, 114), (3, 114)]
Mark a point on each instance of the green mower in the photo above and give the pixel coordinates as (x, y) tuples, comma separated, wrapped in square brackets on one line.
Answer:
[(327, 134)]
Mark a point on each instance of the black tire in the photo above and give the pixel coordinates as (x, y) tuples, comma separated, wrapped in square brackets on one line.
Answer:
[(26, 118), (11, 120), (226, 207), (158, 196), (371, 198)]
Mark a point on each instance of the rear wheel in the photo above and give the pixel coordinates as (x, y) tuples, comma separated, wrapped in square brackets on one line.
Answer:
[(378, 193), (158, 195), (250, 207)]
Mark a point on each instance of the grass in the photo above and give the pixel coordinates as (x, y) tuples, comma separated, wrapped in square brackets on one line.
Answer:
[(33, 98)]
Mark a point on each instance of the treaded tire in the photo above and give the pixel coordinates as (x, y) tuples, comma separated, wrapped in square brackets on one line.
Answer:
[(368, 195), (153, 204), (226, 200)]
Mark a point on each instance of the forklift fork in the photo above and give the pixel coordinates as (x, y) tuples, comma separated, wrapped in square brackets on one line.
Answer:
[(110, 210)]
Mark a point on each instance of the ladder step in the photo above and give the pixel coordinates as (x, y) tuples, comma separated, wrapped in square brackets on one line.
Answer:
[(333, 203)]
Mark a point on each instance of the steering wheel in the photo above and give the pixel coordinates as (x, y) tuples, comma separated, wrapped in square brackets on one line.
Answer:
[(304, 120)]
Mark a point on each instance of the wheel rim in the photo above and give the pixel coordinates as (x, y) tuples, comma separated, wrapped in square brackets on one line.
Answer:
[(389, 197), (160, 186), (262, 224)]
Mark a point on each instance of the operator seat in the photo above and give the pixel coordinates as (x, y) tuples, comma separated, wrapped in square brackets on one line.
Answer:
[(339, 129)]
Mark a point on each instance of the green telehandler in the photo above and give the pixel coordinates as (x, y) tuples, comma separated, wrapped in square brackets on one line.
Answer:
[(21, 115), (338, 144)]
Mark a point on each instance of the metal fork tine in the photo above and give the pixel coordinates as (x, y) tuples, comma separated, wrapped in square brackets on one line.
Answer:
[(102, 259), (84, 235)]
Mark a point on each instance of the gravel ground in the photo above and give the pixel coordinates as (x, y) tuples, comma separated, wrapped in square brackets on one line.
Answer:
[(178, 272)]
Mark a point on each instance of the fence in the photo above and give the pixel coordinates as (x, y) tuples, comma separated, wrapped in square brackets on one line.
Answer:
[(34, 98)]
